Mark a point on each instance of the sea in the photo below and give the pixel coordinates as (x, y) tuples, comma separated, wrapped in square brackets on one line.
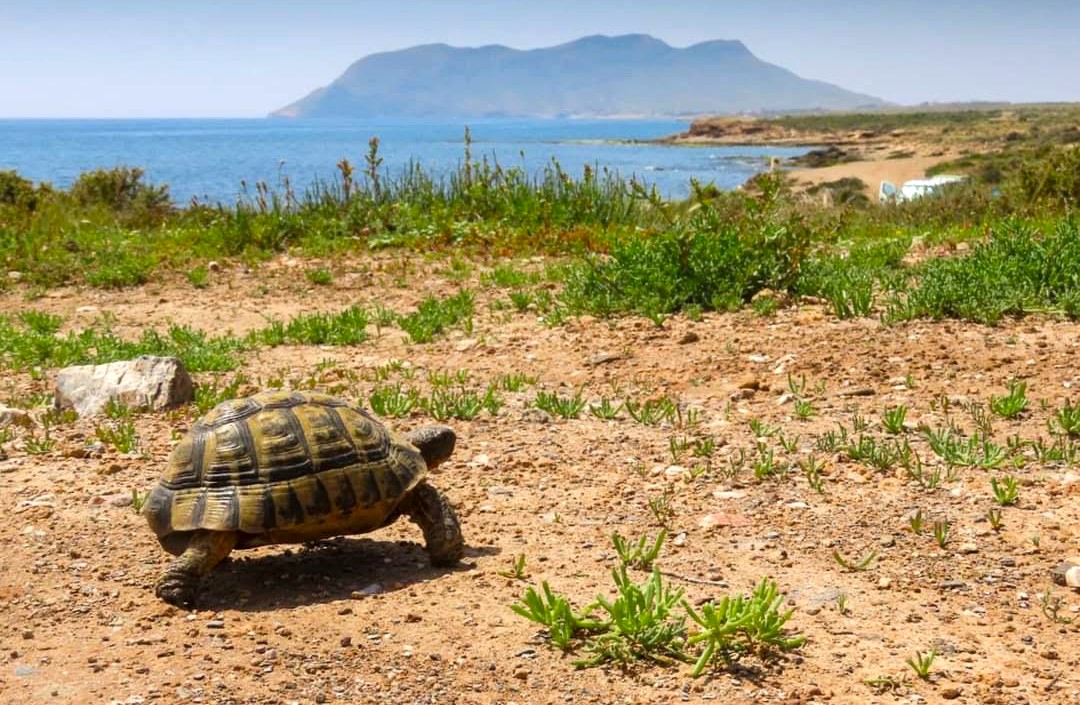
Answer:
[(221, 160)]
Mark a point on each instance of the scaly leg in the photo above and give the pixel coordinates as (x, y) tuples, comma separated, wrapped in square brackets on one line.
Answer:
[(432, 512), (178, 584)]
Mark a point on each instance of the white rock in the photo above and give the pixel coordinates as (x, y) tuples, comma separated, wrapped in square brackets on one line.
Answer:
[(672, 471), (143, 383)]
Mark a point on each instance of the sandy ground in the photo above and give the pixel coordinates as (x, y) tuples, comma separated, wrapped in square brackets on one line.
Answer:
[(366, 620), (872, 171)]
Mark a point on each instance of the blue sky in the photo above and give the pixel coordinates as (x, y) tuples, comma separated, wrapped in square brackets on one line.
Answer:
[(208, 58)]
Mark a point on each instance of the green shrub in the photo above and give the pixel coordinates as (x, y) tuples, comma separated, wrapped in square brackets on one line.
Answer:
[(122, 191)]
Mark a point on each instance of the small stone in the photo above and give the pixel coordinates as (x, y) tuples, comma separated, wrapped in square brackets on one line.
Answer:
[(15, 417), (522, 673), (603, 357), (215, 624), (967, 548), (536, 416), (213, 266), (14, 275), (689, 337), (22, 671), (674, 471), (1067, 573), (884, 583), (1049, 654), (887, 541), (951, 693), (748, 382), (27, 634), (714, 519), (856, 392), (346, 641), (368, 591)]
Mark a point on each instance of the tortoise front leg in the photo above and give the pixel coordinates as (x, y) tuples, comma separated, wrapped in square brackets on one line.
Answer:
[(432, 512), (178, 584)]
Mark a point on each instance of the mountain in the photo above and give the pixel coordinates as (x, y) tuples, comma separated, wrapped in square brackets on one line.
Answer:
[(598, 76)]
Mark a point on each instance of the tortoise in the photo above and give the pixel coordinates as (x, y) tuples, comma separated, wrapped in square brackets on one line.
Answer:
[(289, 467)]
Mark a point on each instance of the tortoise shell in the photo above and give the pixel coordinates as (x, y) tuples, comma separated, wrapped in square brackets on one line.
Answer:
[(282, 467)]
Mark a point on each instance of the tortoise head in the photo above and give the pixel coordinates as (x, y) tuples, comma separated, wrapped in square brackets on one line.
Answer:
[(435, 443)]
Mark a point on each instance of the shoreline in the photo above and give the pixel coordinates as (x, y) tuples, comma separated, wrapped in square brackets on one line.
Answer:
[(872, 156)]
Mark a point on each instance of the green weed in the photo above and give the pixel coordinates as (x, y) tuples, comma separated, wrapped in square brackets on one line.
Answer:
[(566, 407), (433, 317), (640, 555), (921, 663), (864, 563), (1006, 490), (1012, 404), (739, 624), (605, 409), (893, 419), (393, 401)]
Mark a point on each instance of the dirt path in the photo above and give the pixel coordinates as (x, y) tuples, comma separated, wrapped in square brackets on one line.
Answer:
[(79, 622)]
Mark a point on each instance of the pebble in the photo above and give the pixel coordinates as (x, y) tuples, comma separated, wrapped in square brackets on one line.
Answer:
[(748, 382), (1067, 573), (884, 583), (15, 417), (215, 624), (673, 471), (689, 337), (535, 416), (968, 548), (887, 541), (710, 521), (601, 358), (368, 591), (856, 392), (951, 693)]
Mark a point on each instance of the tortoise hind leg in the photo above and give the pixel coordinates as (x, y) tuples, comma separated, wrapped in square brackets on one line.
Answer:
[(178, 584), (432, 512)]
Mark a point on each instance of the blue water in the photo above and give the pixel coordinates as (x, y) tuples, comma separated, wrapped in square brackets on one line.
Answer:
[(211, 159)]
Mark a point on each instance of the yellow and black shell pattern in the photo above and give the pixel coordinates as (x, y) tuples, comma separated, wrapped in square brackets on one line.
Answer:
[(282, 467)]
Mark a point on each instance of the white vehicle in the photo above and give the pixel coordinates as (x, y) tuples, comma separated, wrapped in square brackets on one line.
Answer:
[(916, 188)]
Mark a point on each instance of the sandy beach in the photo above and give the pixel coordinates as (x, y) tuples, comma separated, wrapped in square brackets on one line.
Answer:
[(872, 171)]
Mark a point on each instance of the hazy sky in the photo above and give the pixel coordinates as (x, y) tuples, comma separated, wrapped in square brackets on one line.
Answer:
[(205, 58)]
